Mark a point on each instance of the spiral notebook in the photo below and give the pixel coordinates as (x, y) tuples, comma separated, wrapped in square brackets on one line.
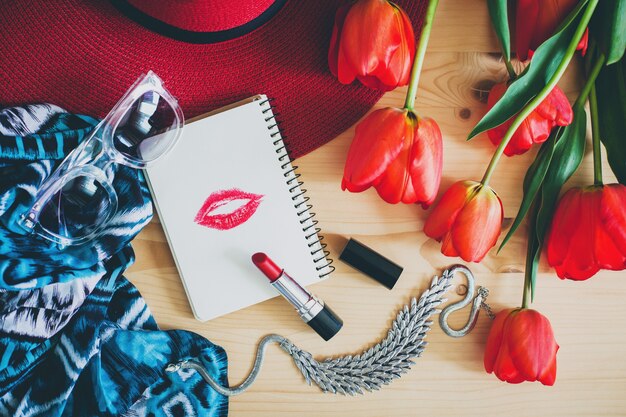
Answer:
[(226, 191)]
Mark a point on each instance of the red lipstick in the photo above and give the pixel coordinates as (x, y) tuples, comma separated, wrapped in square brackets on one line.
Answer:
[(267, 266), (310, 308), (224, 221)]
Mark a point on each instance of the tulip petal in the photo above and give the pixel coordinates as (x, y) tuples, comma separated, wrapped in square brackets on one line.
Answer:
[(447, 248), (494, 340), (548, 376), (373, 34), (503, 367), (354, 188), (383, 72), (356, 46), (496, 92), (588, 232), (478, 225), (536, 21), (534, 129), (401, 60), (564, 222), (532, 346), (333, 50), (444, 214), (580, 263), (610, 238), (378, 72), (550, 15), (378, 140), (525, 19), (427, 161), (415, 174), (584, 42), (538, 127), (394, 185), (556, 108), (496, 134), (613, 214)]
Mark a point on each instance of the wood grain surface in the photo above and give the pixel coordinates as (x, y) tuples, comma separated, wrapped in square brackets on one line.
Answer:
[(449, 380)]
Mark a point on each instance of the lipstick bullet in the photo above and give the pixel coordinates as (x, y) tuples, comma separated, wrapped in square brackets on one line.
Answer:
[(311, 309)]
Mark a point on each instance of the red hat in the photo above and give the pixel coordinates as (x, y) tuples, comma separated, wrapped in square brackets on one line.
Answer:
[(83, 54)]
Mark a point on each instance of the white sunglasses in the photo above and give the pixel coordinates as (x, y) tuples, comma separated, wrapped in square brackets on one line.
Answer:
[(76, 202)]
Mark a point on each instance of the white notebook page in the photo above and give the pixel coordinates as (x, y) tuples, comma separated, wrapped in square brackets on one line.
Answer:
[(232, 150)]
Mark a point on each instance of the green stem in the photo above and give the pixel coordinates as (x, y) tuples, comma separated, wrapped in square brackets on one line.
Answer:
[(532, 105), (509, 68), (409, 102), (527, 283), (595, 136), (589, 91), (591, 79), (591, 51)]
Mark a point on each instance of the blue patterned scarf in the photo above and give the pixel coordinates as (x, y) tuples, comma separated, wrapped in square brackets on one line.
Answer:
[(76, 338)]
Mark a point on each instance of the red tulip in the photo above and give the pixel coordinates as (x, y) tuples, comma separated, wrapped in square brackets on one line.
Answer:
[(399, 154), (588, 232), (536, 21), (521, 347), (555, 110), (467, 220), (372, 41)]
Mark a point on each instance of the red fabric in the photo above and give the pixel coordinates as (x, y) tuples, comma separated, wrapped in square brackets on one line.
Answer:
[(83, 54), (203, 15)]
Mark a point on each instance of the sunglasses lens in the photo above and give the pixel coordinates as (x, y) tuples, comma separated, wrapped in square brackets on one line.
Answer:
[(78, 209), (147, 129)]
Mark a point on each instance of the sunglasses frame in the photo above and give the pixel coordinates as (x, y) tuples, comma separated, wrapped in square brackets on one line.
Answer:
[(94, 157)]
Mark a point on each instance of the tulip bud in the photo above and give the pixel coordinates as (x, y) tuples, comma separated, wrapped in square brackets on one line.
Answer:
[(554, 110), (521, 347), (372, 41), (467, 220), (536, 21), (399, 154), (588, 232)]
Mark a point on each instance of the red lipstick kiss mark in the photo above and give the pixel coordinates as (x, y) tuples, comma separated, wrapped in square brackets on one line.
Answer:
[(225, 221)]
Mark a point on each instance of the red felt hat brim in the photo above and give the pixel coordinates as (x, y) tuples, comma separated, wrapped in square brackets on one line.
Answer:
[(83, 55)]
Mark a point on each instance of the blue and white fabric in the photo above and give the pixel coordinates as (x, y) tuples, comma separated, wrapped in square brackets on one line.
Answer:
[(76, 337)]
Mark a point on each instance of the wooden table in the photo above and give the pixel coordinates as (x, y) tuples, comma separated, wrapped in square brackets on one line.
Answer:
[(587, 317)]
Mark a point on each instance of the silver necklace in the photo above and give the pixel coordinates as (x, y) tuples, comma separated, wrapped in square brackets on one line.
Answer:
[(382, 363)]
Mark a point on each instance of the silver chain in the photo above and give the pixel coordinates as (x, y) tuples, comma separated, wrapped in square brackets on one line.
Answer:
[(373, 368), (478, 302), (484, 293)]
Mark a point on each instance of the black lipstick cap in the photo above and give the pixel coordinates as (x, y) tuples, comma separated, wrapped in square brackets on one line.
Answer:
[(326, 323), (371, 263)]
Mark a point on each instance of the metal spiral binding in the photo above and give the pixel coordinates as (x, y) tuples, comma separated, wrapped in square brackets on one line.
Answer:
[(312, 236)]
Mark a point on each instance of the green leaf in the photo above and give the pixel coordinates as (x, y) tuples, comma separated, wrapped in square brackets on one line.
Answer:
[(608, 26), (545, 62), (534, 266), (533, 254), (532, 181), (568, 154), (498, 11), (611, 94)]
